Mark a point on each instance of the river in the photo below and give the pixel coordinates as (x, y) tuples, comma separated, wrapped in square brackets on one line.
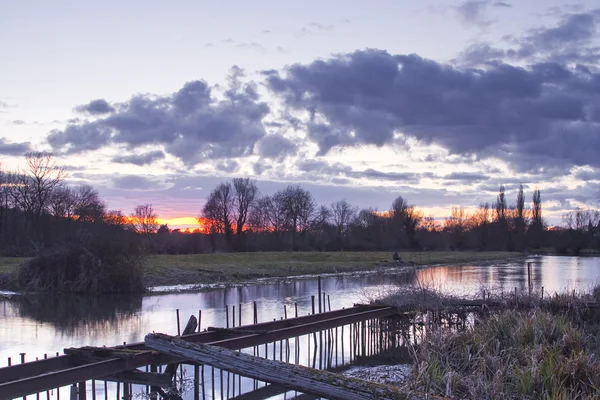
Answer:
[(44, 324)]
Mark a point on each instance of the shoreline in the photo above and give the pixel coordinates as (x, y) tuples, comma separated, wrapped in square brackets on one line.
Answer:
[(185, 278)]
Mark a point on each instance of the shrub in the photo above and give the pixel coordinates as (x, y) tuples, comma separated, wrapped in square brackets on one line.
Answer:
[(98, 264)]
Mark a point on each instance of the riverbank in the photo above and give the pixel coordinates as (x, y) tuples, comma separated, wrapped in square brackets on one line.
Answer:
[(521, 345), (167, 270)]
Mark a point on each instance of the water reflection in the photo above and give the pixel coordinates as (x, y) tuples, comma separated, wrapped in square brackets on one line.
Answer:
[(69, 314), (556, 274)]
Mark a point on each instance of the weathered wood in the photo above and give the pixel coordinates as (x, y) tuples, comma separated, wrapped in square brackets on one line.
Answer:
[(91, 352), (141, 378), (237, 331), (189, 328), (294, 377)]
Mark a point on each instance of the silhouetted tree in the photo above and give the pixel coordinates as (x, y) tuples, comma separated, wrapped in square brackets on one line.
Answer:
[(218, 210), (246, 195), (144, 219)]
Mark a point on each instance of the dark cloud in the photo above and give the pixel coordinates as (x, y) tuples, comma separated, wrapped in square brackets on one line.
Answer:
[(572, 40), (192, 124), (587, 175), (370, 173), (275, 146), (140, 159), (96, 107), (530, 117), (138, 183), (466, 176), (13, 149)]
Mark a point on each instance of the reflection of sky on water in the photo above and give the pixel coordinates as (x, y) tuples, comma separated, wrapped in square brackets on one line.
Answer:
[(46, 324), (555, 274)]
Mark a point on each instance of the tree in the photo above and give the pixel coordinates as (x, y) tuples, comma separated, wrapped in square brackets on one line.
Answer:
[(405, 218), (218, 210), (342, 214), (536, 226), (520, 219), (246, 194), (44, 176), (144, 219), (298, 206), (456, 225), (88, 205), (62, 202)]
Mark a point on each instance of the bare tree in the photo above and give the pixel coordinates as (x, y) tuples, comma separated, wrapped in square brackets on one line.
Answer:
[(405, 219), (44, 176), (219, 210), (342, 214), (298, 207), (89, 207), (246, 195), (144, 219), (62, 202)]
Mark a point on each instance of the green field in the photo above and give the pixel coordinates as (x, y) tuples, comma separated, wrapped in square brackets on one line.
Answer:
[(226, 267)]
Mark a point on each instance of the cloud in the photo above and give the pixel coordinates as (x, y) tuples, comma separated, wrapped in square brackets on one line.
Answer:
[(473, 13), (18, 122), (251, 46), (316, 27), (192, 124), (140, 159), (13, 149), (228, 166), (275, 146), (139, 183), (572, 40), (96, 107), (530, 117), (466, 176)]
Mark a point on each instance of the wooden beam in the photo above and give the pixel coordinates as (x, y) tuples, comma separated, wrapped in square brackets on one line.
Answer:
[(295, 377)]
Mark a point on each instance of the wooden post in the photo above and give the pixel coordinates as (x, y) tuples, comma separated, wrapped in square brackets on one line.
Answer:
[(529, 277), (315, 382), (178, 324), (226, 316), (319, 283), (189, 328)]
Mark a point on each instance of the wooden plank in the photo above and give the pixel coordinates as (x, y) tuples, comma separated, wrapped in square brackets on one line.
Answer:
[(189, 328), (295, 377), (141, 378)]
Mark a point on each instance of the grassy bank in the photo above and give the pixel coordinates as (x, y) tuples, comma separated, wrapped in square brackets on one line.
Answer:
[(226, 267), (524, 347)]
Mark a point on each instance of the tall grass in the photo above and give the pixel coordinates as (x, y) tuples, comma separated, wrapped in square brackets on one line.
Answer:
[(100, 264), (548, 351)]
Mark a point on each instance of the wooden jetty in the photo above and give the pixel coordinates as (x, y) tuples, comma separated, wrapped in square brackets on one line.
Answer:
[(121, 363)]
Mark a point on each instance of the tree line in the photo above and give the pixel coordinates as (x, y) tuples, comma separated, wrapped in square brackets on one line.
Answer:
[(38, 209)]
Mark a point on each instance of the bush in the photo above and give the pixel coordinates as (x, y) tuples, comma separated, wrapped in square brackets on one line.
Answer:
[(93, 265)]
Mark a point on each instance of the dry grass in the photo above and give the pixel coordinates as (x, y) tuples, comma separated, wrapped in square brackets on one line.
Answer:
[(525, 347), (224, 267)]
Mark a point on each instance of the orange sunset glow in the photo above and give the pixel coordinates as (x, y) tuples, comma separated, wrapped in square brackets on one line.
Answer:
[(183, 222)]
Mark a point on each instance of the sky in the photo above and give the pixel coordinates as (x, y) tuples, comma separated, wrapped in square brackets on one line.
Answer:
[(440, 102)]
